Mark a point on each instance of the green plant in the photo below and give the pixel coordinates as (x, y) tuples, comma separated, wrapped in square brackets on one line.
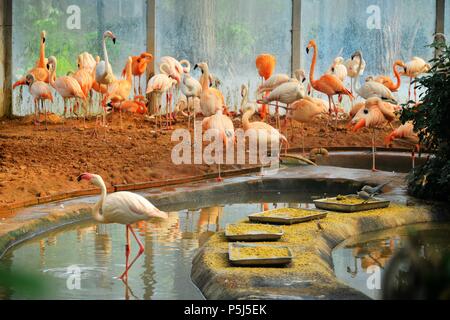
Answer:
[(431, 118)]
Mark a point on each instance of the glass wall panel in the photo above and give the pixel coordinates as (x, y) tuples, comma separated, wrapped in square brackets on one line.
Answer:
[(73, 26), (447, 19), (384, 30), (228, 34)]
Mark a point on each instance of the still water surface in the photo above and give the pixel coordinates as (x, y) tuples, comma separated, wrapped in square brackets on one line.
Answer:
[(98, 251)]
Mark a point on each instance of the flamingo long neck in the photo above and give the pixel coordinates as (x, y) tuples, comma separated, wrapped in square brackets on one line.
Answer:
[(52, 76), (244, 101), (204, 80), (313, 66), (246, 119), (42, 54), (105, 54), (397, 75), (358, 74), (96, 210), (129, 71)]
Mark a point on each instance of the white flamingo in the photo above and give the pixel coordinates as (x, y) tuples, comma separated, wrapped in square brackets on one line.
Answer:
[(160, 84), (371, 88), (103, 71), (122, 208), (191, 88)]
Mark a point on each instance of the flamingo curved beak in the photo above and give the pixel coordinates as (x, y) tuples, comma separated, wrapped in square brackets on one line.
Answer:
[(114, 40), (85, 176), (359, 125)]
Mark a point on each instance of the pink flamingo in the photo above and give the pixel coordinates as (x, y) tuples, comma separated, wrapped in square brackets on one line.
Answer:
[(66, 86), (265, 133), (160, 84), (375, 114), (122, 208), (405, 134), (40, 92), (225, 129), (307, 110)]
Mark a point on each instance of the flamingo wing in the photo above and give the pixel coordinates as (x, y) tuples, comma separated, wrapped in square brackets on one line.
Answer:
[(128, 207)]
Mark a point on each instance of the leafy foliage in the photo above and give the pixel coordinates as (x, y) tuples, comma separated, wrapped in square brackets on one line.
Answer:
[(431, 119)]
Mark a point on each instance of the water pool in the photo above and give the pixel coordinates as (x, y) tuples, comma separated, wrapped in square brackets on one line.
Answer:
[(354, 258), (97, 251)]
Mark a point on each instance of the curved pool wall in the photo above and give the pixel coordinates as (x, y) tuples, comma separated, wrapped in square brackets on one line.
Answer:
[(385, 160), (316, 180)]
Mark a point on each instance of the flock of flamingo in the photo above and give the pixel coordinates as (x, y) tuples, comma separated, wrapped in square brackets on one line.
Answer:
[(201, 96)]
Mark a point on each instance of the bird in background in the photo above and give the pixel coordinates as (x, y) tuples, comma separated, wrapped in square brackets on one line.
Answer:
[(328, 84), (191, 88), (103, 71), (413, 69), (138, 68), (224, 128), (66, 86), (211, 99), (338, 69), (40, 72), (388, 82), (265, 64), (40, 92), (122, 208), (371, 88), (406, 135), (374, 115)]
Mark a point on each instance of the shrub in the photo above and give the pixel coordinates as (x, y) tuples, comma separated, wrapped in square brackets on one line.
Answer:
[(431, 119)]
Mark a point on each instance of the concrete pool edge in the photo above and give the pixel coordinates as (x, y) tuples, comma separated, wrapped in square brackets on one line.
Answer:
[(216, 279), (299, 178)]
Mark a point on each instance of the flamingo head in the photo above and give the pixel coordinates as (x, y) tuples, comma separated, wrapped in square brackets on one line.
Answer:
[(52, 62), (357, 54), (109, 34), (29, 79), (92, 178), (300, 75), (43, 36), (311, 44), (360, 124), (244, 91), (146, 56), (203, 66)]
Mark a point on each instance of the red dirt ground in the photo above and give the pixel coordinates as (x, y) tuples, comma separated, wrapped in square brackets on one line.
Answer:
[(37, 163)]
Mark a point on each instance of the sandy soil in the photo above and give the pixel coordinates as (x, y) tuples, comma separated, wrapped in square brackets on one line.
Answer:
[(36, 163)]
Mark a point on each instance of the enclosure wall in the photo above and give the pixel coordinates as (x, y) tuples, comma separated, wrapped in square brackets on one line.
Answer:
[(5, 57)]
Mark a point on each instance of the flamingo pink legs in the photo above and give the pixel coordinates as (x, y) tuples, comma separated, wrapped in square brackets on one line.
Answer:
[(128, 251)]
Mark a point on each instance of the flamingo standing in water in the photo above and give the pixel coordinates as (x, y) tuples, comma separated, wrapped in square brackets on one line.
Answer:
[(122, 208), (328, 84), (388, 82), (265, 63), (40, 71), (405, 134), (375, 114), (414, 69), (138, 68), (66, 86), (191, 88), (40, 92), (211, 99), (224, 128)]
